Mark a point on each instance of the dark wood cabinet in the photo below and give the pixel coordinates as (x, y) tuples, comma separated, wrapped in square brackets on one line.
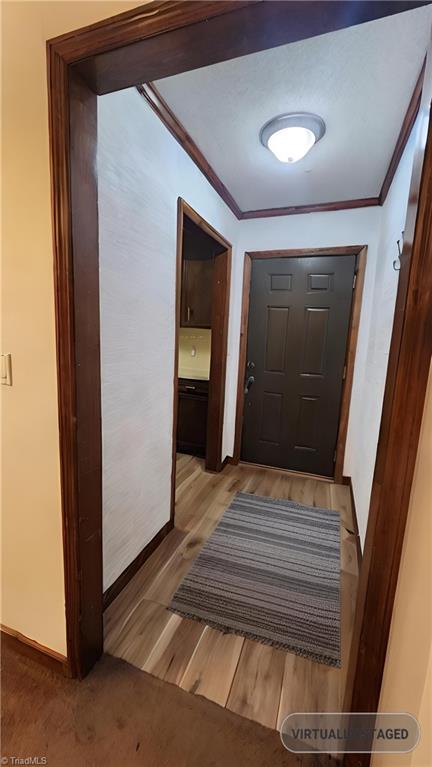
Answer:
[(192, 417), (197, 279), (196, 293)]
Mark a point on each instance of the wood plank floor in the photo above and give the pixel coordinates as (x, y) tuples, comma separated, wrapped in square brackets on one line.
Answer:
[(249, 678)]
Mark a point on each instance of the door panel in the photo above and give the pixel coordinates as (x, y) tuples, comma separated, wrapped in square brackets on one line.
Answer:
[(277, 331), (315, 341), (197, 280), (298, 329)]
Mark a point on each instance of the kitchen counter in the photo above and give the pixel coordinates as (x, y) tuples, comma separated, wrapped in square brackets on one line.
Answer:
[(193, 375)]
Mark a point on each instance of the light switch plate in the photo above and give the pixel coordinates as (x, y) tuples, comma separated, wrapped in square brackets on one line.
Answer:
[(6, 369)]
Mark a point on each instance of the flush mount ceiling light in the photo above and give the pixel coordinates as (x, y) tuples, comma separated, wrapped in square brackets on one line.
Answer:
[(290, 137)]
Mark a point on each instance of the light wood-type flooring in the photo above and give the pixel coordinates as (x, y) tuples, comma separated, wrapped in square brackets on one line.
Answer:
[(252, 679)]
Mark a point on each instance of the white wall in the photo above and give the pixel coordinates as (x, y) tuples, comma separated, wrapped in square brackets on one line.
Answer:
[(142, 171), (366, 415)]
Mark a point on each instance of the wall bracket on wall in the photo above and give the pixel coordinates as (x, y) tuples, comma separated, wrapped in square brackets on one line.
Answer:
[(397, 261)]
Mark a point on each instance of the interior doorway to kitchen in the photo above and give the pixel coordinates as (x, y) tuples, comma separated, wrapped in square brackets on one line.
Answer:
[(202, 304)]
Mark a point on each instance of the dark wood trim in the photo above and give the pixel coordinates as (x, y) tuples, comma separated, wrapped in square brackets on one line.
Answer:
[(31, 649), (348, 481), (244, 325), (355, 531), (143, 22), (407, 376), (350, 363), (227, 460), (73, 138), (349, 250), (58, 117), (319, 207), (204, 225), (178, 281), (360, 252), (404, 134), (203, 33), (218, 361), (128, 573), (152, 96), (219, 340), (88, 426)]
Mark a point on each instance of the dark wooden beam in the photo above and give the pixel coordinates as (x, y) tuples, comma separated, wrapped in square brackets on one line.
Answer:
[(228, 30), (73, 137), (152, 96), (404, 135)]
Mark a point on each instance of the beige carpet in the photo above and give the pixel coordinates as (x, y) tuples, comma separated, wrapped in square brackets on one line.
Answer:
[(120, 716)]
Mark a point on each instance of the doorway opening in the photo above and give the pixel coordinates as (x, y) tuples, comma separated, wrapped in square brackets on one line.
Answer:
[(202, 305), (103, 58)]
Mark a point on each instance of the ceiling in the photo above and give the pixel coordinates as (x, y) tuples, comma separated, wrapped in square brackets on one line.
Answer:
[(359, 79)]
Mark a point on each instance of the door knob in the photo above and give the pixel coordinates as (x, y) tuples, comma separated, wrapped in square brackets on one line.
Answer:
[(248, 384)]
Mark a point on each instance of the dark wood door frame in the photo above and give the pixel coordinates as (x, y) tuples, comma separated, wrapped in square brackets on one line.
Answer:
[(360, 251), (182, 35), (219, 340)]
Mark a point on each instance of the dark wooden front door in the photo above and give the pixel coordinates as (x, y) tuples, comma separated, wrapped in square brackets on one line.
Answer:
[(299, 318)]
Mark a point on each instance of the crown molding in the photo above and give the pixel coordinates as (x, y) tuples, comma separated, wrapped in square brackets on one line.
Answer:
[(152, 96), (404, 134), (293, 210)]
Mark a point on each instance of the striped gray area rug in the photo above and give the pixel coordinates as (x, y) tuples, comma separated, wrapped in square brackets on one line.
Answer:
[(270, 571)]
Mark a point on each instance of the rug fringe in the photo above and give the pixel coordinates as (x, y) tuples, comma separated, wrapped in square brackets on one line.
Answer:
[(315, 657)]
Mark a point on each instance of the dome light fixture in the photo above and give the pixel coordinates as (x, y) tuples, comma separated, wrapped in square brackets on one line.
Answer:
[(290, 137)]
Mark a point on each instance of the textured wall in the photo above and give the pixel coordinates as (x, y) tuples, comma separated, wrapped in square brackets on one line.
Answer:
[(142, 172), (366, 414)]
